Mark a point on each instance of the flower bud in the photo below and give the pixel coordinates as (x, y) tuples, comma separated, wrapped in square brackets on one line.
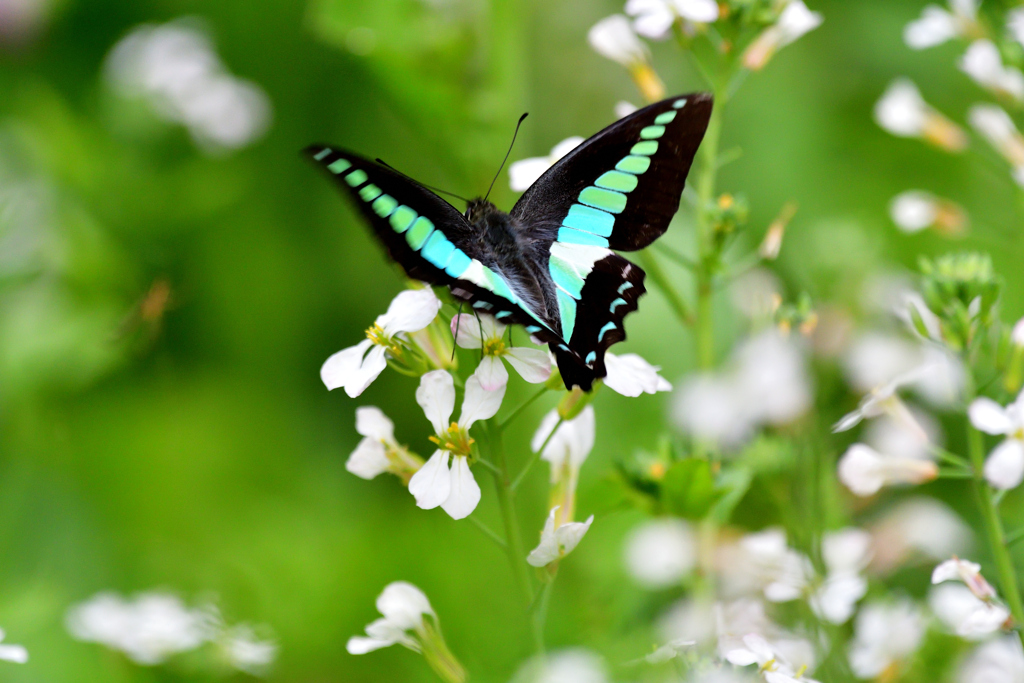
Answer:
[(961, 290)]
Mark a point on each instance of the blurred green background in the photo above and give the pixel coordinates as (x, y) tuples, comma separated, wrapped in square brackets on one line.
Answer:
[(195, 448)]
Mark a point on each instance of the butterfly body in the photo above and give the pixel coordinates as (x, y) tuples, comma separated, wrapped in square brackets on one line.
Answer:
[(548, 264)]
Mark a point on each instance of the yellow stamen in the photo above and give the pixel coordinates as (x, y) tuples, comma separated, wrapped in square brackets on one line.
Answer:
[(494, 347)]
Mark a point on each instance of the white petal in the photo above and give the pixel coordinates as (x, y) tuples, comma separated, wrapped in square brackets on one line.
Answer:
[(385, 630), (465, 492), (846, 550), (523, 173), (403, 604), (372, 422), (570, 534), (1004, 468), (564, 147), (837, 599), (741, 657), (338, 370), (759, 646), (901, 111), (935, 26), (631, 375), (796, 20), (359, 645), (410, 311), (431, 485), (988, 618), (1017, 336), (13, 653), (546, 551), (466, 330), (914, 210), (491, 374), (490, 328), (702, 11), (989, 417), (949, 570), (479, 403), (653, 25), (613, 37), (533, 365), (368, 459), (860, 470), (436, 395), (373, 364)]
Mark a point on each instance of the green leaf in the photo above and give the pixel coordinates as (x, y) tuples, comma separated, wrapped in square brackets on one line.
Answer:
[(689, 490)]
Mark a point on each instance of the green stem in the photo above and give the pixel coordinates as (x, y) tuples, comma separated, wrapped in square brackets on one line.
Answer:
[(488, 532), (994, 530), (705, 236), (518, 411), (513, 536), (659, 278), (541, 615), (536, 456)]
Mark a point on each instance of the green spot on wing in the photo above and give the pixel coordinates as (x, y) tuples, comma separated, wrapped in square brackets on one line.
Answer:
[(402, 218), (617, 180), (667, 117), (419, 232), (634, 164), (588, 219), (652, 132), (567, 313), (679, 104), (438, 249), (339, 166), (384, 205), (606, 200), (370, 192), (356, 178), (565, 276), (646, 148), (570, 236)]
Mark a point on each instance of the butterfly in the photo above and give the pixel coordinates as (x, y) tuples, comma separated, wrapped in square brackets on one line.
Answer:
[(548, 265)]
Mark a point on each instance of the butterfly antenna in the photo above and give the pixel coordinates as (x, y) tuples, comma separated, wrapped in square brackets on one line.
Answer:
[(455, 337), (429, 187), (506, 155)]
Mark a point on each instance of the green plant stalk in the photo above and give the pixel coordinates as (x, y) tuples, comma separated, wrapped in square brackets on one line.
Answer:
[(706, 258), (659, 278), (513, 536), (1008, 585)]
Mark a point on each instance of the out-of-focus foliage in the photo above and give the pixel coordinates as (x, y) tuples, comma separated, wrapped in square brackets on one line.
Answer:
[(165, 308)]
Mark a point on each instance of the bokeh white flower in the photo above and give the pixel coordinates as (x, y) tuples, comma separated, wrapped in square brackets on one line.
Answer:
[(794, 21), (865, 471), (902, 111), (403, 607), (996, 126), (916, 210), (995, 661), (654, 18), (574, 665), (661, 552), (885, 635), (613, 37), (846, 553), (12, 653), (525, 172), (937, 24), (983, 63), (918, 529), (963, 613), (1004, 467)]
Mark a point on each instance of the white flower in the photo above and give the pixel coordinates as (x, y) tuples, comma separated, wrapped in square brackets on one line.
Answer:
[(246, 652), (994, 662), (454, 489), (794, 22), (902, 112), (882, 364), (865, 471), (487, 334), (613, 37), (964, 614), (571, 443), (1017, 335), (631, 375), (565, 666), (983, 63), (709, 407), (525, 172), (885, 634), (556, 543), (969, 573), (654, 18), (1004, 468), (763, 562), (661, 552), (846, 552), (769, 660), (996, 126), (370, 457), (916, 210), (1015, 23), (12, 653), (356, 367), (668, 651), (403, 607), (624, 109), (148, 629), (921, 526), (938, 25)]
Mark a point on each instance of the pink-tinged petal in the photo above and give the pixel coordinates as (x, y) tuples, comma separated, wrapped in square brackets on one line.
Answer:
[(431, 485), (989, 417), (1004, 468), (533, 365), (491, 374), (490, 328), (338, 370), (373, 364), (368, 459), (466, 330), (410, 311), (372, 422), (436, 395), (465, 492), (479, 403)]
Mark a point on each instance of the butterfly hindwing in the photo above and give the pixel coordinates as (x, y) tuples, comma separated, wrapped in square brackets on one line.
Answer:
[(427, 236)]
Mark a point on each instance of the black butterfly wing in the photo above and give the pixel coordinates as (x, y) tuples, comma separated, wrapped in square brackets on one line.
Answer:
[(618, 190), (428, 237)]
